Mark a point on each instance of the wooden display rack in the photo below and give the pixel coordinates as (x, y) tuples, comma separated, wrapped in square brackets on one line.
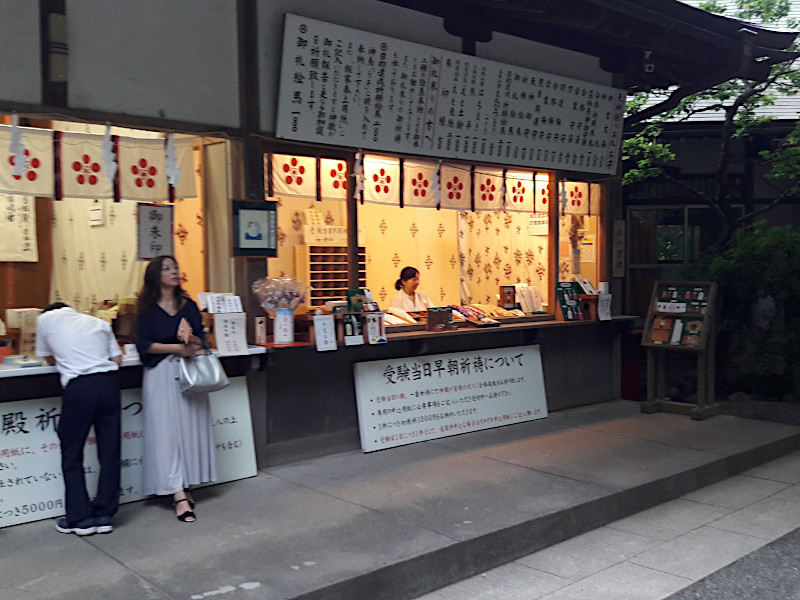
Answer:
[(681, 318), (325, 270)]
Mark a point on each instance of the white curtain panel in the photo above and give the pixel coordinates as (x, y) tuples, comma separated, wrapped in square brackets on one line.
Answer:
[(575, 197), (82, 167), (455, 184), (186, 187), (294, 175), (519, 191), (489, 192), (382, 180), (543, 194), (37, 180), (93, 263), (418, 180), (142, 170), (333, 176)]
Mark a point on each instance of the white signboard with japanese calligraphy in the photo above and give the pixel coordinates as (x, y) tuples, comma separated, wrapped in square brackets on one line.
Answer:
[(18, 229), (31, 484), (352, 88), (406, 400), (230, 333), (154, 230)]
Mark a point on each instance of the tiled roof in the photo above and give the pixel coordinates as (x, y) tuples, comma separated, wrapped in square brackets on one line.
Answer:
[(785, 107)]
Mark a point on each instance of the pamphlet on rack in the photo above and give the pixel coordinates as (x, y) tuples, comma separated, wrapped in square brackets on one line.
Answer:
[(604, 307), (220, 303)]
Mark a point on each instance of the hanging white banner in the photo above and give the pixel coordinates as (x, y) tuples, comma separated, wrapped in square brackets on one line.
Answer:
[(18, 229), (37, 177), (418, 184), (333, 179), (294, 175), (186, 187), (575, 197), (382, 180), (455, 183), (142, 170), (543, 198), (81, 166), (489, 189), (595, 199), (519, 191)]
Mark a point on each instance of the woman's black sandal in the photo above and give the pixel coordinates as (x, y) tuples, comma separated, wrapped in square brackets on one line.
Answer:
[(187, 516)]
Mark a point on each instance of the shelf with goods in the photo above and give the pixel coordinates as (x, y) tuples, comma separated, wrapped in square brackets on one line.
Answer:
[(680, 316), (325, 270)]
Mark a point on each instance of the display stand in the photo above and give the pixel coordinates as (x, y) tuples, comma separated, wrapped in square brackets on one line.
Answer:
[(681, 318)]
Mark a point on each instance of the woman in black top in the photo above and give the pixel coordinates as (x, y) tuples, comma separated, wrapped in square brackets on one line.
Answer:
[(178, 443)]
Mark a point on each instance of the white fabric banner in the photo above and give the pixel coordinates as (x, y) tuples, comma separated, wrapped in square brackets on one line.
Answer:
[(186, 187), (18, 229), (595, 199), (542, 200), (489, 189), (94, 263), (82, 171), (294, 175), (455, 182), (519, 191), (333, 179), (142, 170), (382, 180), (575, 197), (417, 184), (39, 163)]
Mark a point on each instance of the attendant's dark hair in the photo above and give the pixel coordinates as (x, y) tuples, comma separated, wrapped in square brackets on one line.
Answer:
[(54, 306), (151, 290), (406, 274)]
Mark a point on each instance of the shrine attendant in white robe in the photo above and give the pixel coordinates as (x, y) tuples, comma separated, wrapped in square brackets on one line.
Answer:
[(409, 298)]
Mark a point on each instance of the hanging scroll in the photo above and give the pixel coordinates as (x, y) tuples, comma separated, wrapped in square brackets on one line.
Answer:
[(18, 229)]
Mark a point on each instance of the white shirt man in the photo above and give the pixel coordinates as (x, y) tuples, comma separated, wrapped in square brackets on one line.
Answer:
[(87, 356)]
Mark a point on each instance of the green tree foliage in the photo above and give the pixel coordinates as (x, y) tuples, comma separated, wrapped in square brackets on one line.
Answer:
[(740, 103), (757, 274)]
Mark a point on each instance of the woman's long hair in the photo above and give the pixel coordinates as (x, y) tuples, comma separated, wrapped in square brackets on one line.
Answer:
[(151, 290)]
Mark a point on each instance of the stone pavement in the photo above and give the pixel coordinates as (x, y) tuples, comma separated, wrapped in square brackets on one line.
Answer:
[(594, 502)]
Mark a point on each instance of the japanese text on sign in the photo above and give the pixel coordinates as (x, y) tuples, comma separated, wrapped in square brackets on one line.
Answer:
[(407, 400), (353, 88)]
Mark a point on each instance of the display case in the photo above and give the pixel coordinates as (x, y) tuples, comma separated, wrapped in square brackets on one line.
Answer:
[(680, 315), (325, 270)]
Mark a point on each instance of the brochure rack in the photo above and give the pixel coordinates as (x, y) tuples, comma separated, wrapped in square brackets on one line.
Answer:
[(681, 318)]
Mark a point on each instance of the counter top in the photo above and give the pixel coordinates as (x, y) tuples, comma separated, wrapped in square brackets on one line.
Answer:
[(6, 371)]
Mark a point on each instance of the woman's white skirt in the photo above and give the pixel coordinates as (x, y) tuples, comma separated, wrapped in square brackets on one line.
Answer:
[(178, 441)]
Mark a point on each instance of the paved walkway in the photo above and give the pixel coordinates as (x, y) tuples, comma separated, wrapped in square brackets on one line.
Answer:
[(595, 502), (713, 543)]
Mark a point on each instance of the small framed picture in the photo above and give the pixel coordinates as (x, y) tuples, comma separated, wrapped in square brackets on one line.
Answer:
[(255, 228)]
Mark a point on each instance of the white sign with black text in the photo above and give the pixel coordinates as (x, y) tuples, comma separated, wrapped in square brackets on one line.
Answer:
[(31, 484), (353, 88), (405, 400)]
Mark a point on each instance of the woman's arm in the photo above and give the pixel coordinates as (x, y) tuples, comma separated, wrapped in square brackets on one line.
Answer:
[(182, 349)]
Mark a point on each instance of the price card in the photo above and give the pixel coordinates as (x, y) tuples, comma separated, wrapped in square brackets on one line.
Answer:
[(325, 332), (230, 333)]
